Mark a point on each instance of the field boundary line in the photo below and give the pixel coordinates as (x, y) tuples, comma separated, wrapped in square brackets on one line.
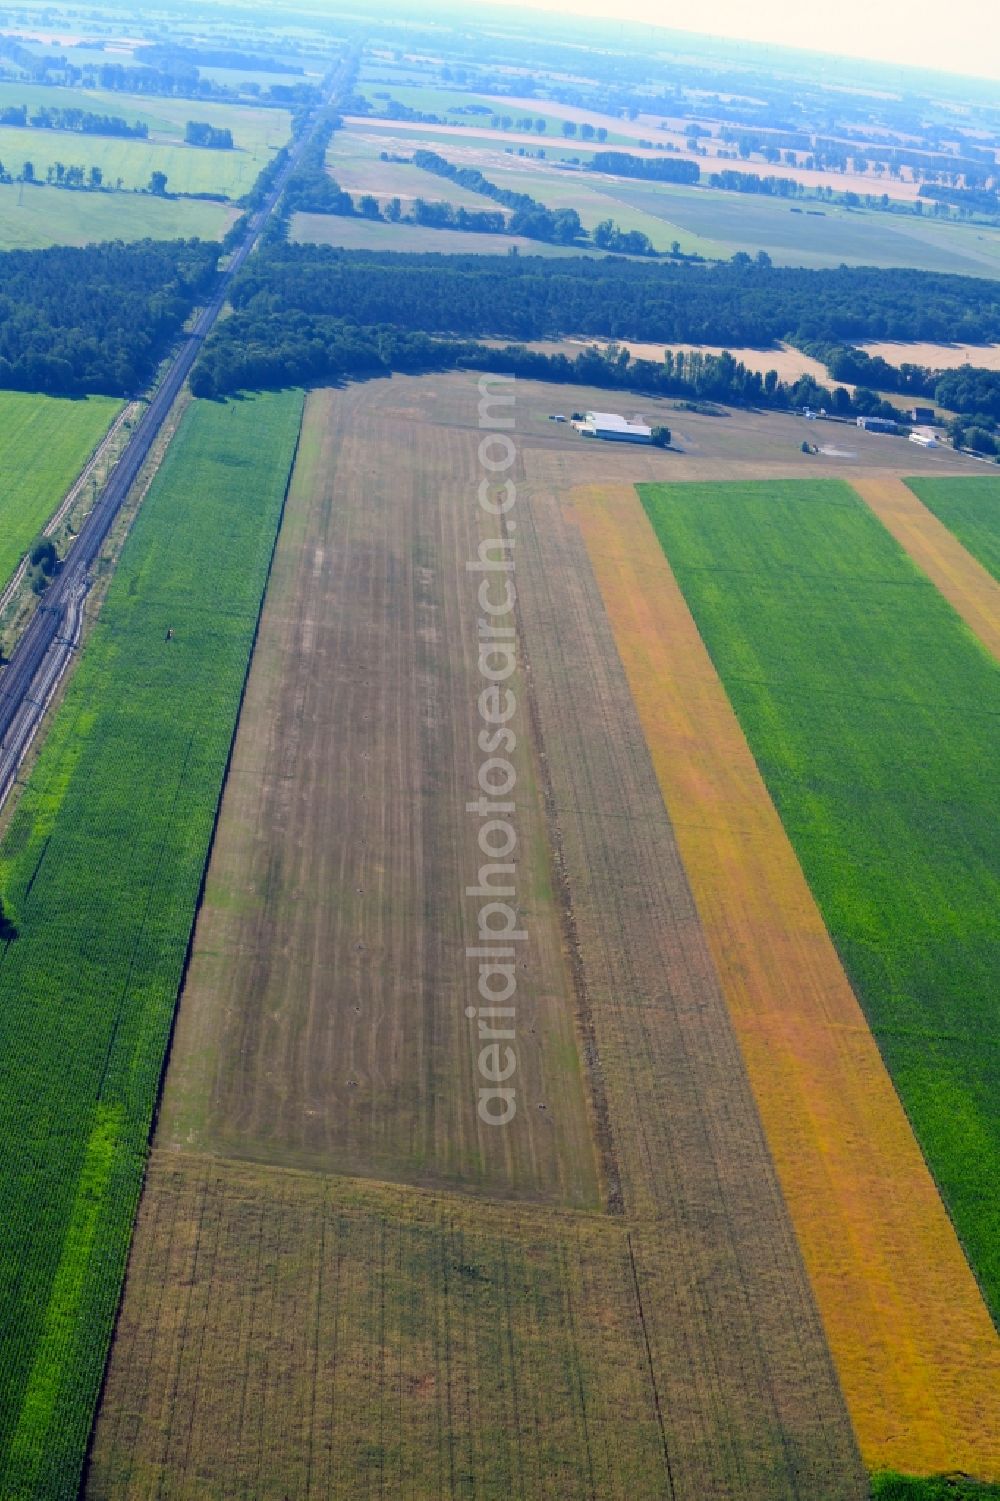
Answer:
[(937, 552), (879, 1247)]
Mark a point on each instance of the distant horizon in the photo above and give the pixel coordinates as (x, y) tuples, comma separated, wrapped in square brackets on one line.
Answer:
[(889, 34)]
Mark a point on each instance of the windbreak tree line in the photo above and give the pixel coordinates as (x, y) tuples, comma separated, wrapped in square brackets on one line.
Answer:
[(267, 347), (96, 320), (82, 120), (529, 217)]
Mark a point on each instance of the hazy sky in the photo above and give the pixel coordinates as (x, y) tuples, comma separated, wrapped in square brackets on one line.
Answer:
[(961, 36)]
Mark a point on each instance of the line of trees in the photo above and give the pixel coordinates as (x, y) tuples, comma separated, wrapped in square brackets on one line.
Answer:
[(81, 120), (751, 182), (853, 366), (528, 217), (973, 391), (274, 347), (651, 169), (967, 200)]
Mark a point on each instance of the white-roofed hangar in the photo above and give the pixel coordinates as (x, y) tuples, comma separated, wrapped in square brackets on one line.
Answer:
[(614, 428)]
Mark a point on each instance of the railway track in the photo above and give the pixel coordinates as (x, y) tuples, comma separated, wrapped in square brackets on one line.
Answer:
[(46, 647)]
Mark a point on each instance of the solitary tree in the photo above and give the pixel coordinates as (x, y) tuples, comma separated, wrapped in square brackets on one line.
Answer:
[(569, 128), (8, 931), (158, 183), (661, 437), (44, 556)]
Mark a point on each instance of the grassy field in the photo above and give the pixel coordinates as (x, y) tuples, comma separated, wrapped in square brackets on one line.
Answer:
[(31, 218), (727, 222), (289, 1332), (254, 127), (44, 443), (922, 1385), (376, 234), (869, 709), (969, 508), (257, 133), (100, 869)]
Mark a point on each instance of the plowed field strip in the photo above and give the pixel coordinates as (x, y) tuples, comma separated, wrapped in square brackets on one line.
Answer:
[(962, 580), (916, 1352)]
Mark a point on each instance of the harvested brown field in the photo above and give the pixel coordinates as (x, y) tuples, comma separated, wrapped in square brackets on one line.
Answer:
[(323, 1022), (963, 581), (492, 1331), (915, 1349), (292, 1335), (935, 356)]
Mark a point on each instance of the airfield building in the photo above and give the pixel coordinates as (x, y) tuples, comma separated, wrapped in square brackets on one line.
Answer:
[(878, 424), (613, 428)]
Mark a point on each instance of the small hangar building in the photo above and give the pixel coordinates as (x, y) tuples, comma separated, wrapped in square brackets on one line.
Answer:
[(613, 428)]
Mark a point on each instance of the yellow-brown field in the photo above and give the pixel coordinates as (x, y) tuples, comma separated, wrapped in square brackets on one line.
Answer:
[(915, 1349)]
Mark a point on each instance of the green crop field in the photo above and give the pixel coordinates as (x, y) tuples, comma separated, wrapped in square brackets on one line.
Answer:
[(32, 218), (44, 443), (100, 871), (871, 711), (889, 1487), (971, 509)]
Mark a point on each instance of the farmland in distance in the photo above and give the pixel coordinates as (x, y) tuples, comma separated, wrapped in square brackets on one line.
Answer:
[(257, 134), (100, 869)]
